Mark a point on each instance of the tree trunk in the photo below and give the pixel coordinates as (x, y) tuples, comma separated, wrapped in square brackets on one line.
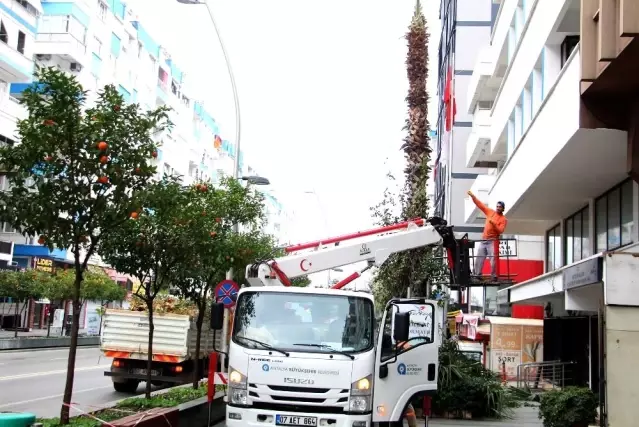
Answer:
[(15, 322), (149, 360), (197, 374), (75, 329)]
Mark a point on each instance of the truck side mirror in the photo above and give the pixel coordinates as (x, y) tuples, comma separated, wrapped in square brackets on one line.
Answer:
[(401, 326), (217, 316)]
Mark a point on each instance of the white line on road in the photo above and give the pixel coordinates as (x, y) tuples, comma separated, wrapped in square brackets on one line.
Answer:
[(59, 371), (55, 396)]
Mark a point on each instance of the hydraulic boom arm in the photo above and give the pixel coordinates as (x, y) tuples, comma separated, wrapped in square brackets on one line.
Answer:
[(381, 243)]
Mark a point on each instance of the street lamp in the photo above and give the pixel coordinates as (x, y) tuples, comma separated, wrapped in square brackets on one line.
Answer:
[(236, 100), (256, 180)]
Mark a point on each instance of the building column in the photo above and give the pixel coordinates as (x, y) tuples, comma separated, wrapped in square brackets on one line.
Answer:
[(31, 313)]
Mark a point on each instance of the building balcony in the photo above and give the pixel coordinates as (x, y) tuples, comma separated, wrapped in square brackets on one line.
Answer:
[(63, 45), (162, 93), (486, 79), (478, 151), (481, 189), (557, 166), (14, 66)]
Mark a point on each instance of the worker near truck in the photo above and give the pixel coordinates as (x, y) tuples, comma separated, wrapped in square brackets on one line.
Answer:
[(494, 227), (409, 412)]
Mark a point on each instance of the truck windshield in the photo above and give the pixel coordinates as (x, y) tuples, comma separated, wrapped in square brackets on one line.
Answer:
[(304, 322)]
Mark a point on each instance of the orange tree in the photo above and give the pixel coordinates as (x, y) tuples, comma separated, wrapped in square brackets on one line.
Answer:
[(153, 246), (77, 174), (22, 286), (215, 248)]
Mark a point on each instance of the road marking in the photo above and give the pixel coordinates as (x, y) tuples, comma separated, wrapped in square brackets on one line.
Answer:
[(55, 396), (59, 371)]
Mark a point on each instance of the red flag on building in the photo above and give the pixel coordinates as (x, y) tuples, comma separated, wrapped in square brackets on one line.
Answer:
[(449, 101)]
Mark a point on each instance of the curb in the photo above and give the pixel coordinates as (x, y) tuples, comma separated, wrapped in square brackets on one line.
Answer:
[(36, 343)]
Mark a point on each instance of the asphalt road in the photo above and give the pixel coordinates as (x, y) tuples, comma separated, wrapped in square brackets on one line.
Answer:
[(33, 381)]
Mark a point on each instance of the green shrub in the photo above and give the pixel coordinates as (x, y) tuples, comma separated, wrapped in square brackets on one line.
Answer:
[(466, 385), (570, 407)]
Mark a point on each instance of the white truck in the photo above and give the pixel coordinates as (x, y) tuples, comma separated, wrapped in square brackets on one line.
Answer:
[(310, 357), (125, 337)]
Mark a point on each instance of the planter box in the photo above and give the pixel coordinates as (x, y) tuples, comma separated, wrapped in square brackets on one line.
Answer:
[(190, 414), (156, 417)]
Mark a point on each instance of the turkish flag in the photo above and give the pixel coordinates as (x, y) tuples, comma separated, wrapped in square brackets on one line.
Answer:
[(449, 100)]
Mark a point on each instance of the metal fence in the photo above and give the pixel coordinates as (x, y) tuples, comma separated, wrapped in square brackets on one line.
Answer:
[(541, 376)]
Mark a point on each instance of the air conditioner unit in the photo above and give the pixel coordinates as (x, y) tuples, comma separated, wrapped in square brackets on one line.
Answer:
[(75, 66), (43, 57)]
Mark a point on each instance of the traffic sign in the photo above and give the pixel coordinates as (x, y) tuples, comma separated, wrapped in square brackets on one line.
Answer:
[(226, 293)]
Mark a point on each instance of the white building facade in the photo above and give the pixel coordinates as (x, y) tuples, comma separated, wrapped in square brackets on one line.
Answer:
[(103, 42), (562, 173)]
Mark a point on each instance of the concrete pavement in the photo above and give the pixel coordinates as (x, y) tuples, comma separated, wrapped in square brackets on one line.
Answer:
[(33, 381)]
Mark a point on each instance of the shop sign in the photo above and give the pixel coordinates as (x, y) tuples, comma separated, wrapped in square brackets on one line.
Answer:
[(582, 274), (43, 264)]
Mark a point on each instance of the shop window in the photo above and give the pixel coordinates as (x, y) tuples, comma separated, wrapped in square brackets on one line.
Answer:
[(614, 217), (577, 229), (553, 248)]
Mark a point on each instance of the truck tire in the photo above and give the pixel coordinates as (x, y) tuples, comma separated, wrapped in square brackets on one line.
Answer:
[(130, 386)]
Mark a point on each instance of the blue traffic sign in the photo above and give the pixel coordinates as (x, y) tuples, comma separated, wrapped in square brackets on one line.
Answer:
[(226, 293)]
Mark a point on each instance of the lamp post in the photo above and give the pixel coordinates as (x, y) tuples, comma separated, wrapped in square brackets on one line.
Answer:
[(236, 99)]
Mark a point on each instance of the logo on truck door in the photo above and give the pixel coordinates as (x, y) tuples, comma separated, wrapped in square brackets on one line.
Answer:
[(364, 250)]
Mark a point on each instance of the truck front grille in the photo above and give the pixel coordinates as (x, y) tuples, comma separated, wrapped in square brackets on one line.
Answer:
[(285, 398)]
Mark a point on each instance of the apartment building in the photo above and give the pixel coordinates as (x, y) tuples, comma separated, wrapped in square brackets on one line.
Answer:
[(103, 42), (467, 26), (554, 90)]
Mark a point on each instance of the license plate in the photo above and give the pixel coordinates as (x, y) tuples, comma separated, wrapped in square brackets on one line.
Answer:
[(140, 371), (294, 420)]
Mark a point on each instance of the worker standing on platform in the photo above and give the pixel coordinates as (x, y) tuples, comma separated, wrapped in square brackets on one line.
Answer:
[(495, 226)]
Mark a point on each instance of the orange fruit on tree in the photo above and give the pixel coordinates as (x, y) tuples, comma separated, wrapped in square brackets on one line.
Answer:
[(218, 219), (41, 240), (103, 180), (104, 160), (213, 233), (154, 154), (48, 158), (102, 146), (134, 215)]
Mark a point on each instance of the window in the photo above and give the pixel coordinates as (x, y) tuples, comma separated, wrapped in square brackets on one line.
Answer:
[(578, 236), (614, 217), (98, 46), (103, 10), (28, 6), (21, 42), (4, 37), (567, 46), (553, 248)]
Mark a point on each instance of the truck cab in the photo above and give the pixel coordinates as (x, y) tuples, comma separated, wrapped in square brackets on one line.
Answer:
[(310, 357)]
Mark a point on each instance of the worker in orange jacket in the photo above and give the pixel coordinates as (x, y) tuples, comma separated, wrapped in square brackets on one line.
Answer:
[(495, 226)]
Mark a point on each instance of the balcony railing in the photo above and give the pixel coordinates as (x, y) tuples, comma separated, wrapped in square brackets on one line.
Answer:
[(61, 44), (478, 143)]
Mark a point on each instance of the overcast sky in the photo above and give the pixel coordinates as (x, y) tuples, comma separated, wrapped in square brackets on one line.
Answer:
[(321, 85)]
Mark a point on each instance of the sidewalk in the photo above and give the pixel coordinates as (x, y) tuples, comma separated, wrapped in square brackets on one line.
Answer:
[(524, 417), (34, 333)]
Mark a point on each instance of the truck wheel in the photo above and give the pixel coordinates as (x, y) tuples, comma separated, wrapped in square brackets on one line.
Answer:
[(130, 386)]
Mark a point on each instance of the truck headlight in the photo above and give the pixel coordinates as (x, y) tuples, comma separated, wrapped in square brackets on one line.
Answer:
[(238, 393), (361, 391)]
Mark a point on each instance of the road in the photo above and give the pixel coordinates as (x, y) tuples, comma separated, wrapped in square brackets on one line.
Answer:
[(33, 381)]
